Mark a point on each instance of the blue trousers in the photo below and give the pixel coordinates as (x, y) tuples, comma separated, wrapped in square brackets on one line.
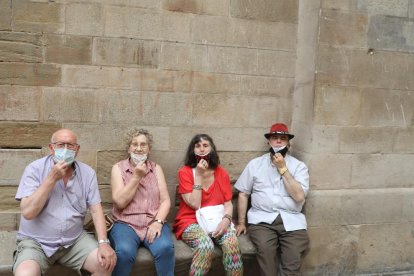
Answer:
[(125, 242)]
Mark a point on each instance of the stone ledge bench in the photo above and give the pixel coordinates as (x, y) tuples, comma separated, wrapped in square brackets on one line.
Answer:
[(144, 264)]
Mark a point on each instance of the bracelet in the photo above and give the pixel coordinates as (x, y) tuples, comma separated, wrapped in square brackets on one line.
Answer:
[(283, 170), (227, 217), (197, 187), (104, 241)]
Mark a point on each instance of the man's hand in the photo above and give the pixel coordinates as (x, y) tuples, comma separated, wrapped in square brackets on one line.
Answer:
[(278, 160), (106, 256), (58, 171)]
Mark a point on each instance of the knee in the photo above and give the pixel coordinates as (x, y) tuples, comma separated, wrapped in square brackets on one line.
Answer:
[(125, 251), (28, 268), (206, 244), (166, 248)]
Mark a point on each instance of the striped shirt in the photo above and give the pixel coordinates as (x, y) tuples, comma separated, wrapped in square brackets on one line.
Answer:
[(144, 206)]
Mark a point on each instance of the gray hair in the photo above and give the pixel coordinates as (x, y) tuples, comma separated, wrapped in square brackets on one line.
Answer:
[(134, 132)]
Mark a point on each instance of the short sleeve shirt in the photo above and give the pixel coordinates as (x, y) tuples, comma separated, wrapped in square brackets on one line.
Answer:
[(218, 193), (61, 221)]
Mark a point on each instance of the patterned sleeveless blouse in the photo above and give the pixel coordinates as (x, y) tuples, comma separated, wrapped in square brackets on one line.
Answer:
[(144, 206)]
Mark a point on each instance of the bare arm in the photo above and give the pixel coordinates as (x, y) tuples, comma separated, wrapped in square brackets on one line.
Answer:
[(193, 199), (122, 194), (292, 186), (32, 205), (242, 202), (106, 255)]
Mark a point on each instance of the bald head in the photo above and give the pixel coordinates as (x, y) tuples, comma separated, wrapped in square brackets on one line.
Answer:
[(64, 135)]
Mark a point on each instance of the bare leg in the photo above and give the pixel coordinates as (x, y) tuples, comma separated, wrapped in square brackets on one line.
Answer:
[(92, 265), (28, 268)]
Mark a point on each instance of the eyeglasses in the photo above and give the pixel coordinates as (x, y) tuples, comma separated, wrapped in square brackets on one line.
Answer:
[(142, 145), (61, 145)]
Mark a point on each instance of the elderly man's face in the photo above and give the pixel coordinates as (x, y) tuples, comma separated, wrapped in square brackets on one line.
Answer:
[(278, 140)]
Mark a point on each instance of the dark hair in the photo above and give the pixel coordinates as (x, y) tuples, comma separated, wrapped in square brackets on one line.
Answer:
[(190, 158)]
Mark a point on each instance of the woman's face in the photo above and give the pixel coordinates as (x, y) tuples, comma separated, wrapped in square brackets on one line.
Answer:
[(139, 145), (202, 148)]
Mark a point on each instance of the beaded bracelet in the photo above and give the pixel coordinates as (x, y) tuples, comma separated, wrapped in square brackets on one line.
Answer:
[(197, 187), (227, 217)]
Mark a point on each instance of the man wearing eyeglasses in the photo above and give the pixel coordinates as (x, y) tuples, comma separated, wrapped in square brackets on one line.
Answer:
[(55, 193)]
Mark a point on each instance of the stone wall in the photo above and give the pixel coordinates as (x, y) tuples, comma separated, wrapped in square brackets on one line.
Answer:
[(339, 72)]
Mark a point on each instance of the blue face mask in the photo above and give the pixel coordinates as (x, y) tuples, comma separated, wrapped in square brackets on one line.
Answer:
[(64, 154)]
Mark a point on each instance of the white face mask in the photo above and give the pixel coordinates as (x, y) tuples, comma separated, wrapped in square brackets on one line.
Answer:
[(136, 158), (64, 154)]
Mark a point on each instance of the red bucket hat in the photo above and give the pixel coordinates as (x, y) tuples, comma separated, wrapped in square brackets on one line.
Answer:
[(279, 128)]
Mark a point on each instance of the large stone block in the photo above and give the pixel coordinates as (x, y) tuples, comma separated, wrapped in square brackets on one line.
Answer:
[(145, 24), (359, 68), (244, 33), (391, 33), (126, 78), (344, 5), (5, 15), (26, 135), (213, 7), (386, 248), (179, 56), (29, 74), (37, 17), (389, 8), (19, 103), (234, 162), (8, 221), (70, 105), (242, 85), (338, 28), (238, 111), (382, 171), (20, 47), (150, 108), (385, 108), (12, 164), (335, 105), (352, 207), (66, 49), (149, 4), (276, 63), (8, 242), (325, 139), (126, 52), (324, 176), (403, 141), (354, 140), (110, 137), (333, 250), (7, 196), (233, 60), (84, 19), (266, 10)]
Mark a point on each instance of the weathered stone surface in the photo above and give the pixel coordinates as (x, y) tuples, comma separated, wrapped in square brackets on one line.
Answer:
[(126, 78), (232, 31), (37, 17), (66, 49), (411, 10), (266, 10), (322, 176), (7, 196), (357, 68), (19, 103), (235, 162), (12, 165), (84, 19), (335, 105), (276, 63), (236, 111), (391, 33), (345, 5), (26, 135), (337, 250), (213, 7), (370, 171), (126, 52), (179, 56), (5, 15), (20, 47), (8, 222), (382, 107), (70, 105), (8, 242), (171, 108), (144, 24), (354, 140), (338, 28), (391, 8), (403, 140), (29, 74)]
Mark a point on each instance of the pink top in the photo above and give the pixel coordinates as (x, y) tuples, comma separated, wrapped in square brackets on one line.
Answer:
[(144, 206)]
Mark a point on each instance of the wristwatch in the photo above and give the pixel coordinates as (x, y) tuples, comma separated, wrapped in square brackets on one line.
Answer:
[(159, 221), (104, 241)]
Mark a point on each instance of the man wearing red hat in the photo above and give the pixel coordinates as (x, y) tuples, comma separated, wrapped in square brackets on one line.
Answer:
[(278, 184)]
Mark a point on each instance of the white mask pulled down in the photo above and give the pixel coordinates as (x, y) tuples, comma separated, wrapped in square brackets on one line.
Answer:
[(136, 158)]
